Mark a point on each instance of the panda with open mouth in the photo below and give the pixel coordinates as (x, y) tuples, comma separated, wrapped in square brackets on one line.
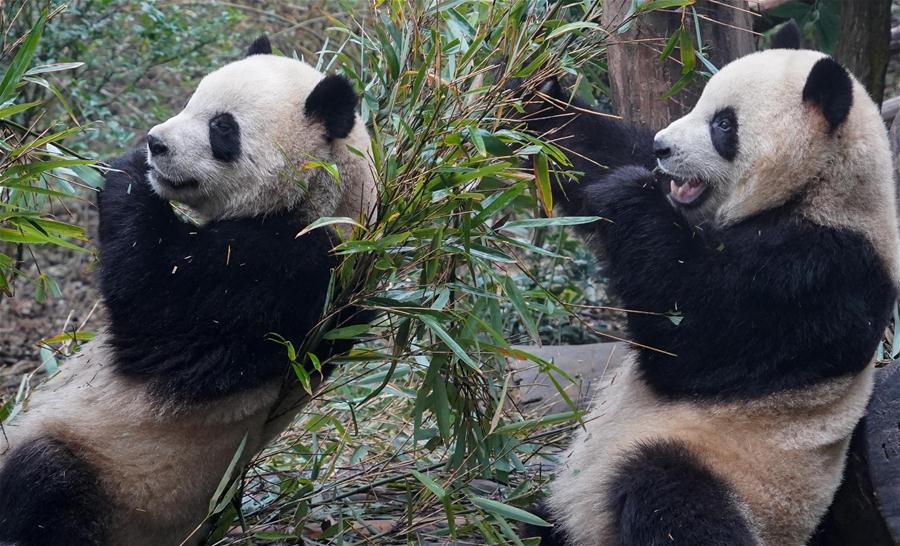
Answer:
[(126, 445), (765, 221)]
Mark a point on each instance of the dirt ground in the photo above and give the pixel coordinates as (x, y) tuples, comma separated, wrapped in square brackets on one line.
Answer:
[(25, 322)]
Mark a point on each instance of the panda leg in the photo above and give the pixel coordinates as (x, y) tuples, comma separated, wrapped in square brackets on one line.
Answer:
[(663, 494), (49, 496)]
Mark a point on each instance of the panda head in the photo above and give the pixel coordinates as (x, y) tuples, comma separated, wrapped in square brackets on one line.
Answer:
[(768, 129), (253, 136)]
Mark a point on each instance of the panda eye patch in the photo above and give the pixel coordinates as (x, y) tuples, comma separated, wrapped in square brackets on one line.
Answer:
[(723, 131), (724, 124), (223, 122), (225, 137)]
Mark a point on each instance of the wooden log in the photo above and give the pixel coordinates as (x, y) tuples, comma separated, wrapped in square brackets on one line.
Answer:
[(865, 42), (638, 80), (586, 363)]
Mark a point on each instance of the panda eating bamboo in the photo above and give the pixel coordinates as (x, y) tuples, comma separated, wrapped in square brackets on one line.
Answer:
[(769, 230), (127, 444)]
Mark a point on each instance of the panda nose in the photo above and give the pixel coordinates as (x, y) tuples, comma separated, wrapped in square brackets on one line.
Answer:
[(660, 149), (156, 145)]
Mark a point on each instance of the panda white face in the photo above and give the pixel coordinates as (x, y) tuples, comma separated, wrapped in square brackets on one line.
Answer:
[(240, 146), (763, 125)]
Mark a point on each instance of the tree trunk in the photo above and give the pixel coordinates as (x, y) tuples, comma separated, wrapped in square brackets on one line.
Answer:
[(865, 42), (637, 78)]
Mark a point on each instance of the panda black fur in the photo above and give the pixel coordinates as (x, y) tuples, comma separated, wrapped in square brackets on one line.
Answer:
[(127, 443), (770, 232)]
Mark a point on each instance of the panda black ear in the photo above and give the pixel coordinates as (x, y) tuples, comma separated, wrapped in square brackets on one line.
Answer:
[(552, 88), (333, 102), (260, 46), (787, 37), (830, 87)]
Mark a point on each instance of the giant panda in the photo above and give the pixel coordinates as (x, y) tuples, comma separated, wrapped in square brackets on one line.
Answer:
[(127, 444), (762, 258)]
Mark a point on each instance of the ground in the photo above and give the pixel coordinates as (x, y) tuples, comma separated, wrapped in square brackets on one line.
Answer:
[(26, 322)]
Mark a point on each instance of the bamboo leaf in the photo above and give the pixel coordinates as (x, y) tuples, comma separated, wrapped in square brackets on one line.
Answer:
[(226, 479), (509, 512), (23, 57), (542, 180)]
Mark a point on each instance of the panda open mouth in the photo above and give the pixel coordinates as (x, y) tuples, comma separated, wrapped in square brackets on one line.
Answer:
[(189, 183), (686, 191)]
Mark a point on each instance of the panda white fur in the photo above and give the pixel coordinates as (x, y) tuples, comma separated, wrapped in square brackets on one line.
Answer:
[(770, 230), (126, 445)]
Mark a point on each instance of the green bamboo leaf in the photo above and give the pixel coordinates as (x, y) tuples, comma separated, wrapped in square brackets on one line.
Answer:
[(670, 45), (226, 479), (538, 422), (347, 332), (80, 335), (498, 201), (570, 27), (23, 57), (542, 180), (663, 4), (441, 404), (445, 336), (550, 222), (518, 303), (432, 486), (509, 512), (17, 108), (55, 67), (686, 48)]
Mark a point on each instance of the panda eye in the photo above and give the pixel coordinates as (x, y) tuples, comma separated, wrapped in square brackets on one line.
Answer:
[(223, 123), (723, 122)]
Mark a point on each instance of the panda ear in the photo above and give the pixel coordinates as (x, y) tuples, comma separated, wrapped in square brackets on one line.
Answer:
[(333, 102), (551, 87), (787, 37), (260, 46), (830, 87)]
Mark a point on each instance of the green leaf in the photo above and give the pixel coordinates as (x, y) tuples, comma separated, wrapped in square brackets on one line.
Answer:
[(347, 332), (23, 57), (538, 422), (570, 27), (17, 108), (663, 4), (55, 67), (329, 221), (432, 486), (226, 479), (518, 302), (441, 404), (542, 182), (80, 335), (509, 512), (439, 330), (686, 48), (670, 45), (549, 222)]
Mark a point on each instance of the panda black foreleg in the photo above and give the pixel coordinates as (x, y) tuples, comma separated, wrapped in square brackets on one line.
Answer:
[(194, 307), (663, 494), (49, 496)]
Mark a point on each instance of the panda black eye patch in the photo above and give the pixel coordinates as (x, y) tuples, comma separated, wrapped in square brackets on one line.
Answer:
[(723, 130), (225, 137)]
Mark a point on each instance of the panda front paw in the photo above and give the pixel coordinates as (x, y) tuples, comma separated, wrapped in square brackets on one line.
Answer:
[(620, 187)]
